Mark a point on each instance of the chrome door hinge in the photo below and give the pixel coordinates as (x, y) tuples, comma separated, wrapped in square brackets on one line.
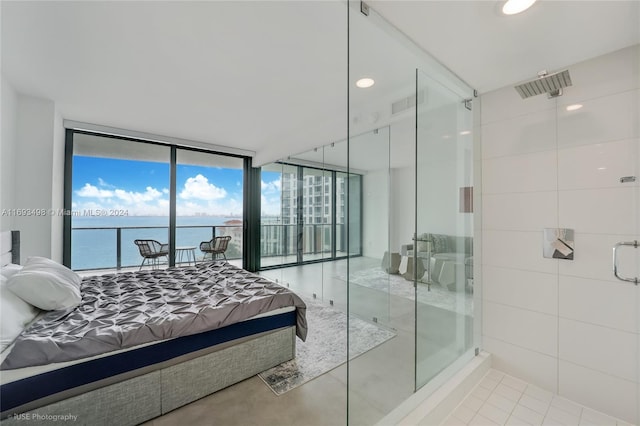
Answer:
[(467, 103), (364, 8)]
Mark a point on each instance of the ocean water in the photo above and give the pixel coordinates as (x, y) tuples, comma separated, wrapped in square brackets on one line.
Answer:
[(97, 248)]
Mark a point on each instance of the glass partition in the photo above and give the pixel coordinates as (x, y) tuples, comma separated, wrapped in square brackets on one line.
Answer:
[(277, 215), (303, 221), (442, 252), (368, 202)]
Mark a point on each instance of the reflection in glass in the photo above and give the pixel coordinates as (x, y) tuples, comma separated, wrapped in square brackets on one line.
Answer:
[(304, 209)]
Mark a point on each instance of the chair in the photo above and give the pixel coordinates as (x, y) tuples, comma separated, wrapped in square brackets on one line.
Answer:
[(152, 251), (217, 246)]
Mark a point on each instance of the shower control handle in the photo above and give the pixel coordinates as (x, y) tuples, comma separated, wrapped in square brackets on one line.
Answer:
[(634, 244)]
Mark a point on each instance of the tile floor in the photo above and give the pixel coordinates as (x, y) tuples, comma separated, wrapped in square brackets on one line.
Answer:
[(500, 399)]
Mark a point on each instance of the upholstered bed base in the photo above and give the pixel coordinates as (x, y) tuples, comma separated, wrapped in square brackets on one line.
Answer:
[(150, 395)]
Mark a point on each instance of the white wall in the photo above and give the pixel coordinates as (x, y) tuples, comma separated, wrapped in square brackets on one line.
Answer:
[(402, 211), (566, 326), (34, 173), (57, 186), (375, 213), (8, 110)]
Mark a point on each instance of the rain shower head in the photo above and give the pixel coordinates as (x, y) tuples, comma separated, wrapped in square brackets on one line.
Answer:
[(545, 83)]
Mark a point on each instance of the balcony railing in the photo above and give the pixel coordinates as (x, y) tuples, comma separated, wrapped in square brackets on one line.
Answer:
[(113, 247), (282, 240)]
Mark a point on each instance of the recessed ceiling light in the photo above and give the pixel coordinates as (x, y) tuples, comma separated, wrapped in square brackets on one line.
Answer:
[(511, 7), (465, 132), (574, 107), (363, 83)]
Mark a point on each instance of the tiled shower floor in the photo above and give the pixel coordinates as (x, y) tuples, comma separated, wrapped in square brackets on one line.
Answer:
[(500, 399)]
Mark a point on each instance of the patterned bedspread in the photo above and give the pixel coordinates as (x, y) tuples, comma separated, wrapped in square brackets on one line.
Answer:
[(123, 310)]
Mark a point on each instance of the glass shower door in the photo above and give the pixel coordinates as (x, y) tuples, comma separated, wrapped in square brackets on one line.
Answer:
[(442, 255)]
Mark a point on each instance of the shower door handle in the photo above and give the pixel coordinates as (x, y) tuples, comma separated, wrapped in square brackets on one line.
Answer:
[(634, 244)]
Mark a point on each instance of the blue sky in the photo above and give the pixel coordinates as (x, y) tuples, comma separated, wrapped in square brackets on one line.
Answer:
[(142, 188), (271, 190)]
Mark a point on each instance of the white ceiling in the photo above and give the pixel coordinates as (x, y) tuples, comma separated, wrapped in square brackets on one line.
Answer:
[(271, 77), (490, 50)]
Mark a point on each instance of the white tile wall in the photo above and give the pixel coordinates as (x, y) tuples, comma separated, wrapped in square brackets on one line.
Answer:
[(611, 210), (534, 367), (601, 165), (565, 326), (520, 173), (610, 395), (520, 135), (521, 211), (506, 104), (581, 299), (602, 76), (516, 250), (524, 328), (581, 343), (604, 119), (536, 291)]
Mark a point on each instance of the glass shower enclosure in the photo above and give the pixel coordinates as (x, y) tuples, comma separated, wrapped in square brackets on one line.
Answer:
[(411, 137)]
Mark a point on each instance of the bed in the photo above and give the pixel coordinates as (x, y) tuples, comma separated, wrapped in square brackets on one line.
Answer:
[(137, 380)]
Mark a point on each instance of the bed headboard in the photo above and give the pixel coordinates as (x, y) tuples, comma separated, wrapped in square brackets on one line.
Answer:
[(9, 247)]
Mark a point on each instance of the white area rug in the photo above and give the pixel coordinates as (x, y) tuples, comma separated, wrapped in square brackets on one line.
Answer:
[(325, 348)]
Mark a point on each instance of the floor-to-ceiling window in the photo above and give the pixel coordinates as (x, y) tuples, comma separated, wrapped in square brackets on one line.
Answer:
[(209, 200), (303, 214), (119, 193), (120, 190)]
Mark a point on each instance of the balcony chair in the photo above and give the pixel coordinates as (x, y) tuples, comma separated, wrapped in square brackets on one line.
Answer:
[(217, 246), (152, 251)]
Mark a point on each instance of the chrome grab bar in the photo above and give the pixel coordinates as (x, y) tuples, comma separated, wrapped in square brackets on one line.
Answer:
[(634, 244)]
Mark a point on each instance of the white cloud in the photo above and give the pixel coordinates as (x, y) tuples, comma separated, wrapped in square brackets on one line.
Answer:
[(197, 197), (147, 203), (138, 197), (102, 182), (199, 188), (89, 190), (271, 187)]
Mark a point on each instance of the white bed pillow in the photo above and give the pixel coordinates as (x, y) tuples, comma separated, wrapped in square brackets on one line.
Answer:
[(10, 270), (46, 284), (15, 314)]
